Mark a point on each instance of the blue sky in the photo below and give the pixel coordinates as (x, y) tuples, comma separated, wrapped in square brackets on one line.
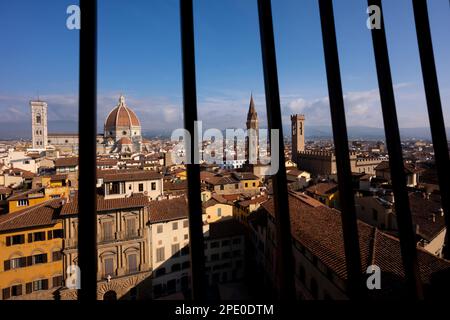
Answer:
[(139, 56)]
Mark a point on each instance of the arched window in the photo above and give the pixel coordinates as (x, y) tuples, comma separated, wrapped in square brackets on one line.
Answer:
[(38, 118)]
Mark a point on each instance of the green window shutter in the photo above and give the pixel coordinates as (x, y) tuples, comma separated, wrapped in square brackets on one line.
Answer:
[(8, 241), (7, 265), (30, 237)]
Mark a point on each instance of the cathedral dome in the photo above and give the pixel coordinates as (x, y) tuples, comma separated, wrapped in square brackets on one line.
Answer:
[(125, 140), (122, 116)]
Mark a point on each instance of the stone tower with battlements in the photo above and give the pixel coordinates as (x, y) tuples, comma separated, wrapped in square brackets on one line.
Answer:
[(298, 135)]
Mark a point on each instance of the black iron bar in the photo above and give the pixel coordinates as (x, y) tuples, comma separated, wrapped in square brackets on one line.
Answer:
[(345, 185), (437, 124), (193, 169), (87, 202), (285, 260), (396, 164)]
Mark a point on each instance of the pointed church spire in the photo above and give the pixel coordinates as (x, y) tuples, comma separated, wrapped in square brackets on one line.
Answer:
[(252, 114)]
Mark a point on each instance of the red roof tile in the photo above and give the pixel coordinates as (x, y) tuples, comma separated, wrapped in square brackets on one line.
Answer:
[(135, 201), (43, 214), (169, 209)]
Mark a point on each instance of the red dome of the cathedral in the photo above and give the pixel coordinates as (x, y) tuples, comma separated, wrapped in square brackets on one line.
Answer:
[(122, 116)]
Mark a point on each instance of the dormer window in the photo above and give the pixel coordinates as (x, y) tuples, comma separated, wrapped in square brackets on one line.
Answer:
[(124, 133)]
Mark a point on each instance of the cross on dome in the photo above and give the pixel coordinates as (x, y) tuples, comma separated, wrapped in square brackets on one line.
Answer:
[(121, 100)]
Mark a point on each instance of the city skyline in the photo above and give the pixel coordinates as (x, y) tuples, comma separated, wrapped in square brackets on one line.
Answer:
[(134, 59)]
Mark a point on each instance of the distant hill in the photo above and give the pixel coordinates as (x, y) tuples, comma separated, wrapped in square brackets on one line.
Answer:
[(361, 132), (22, 130)]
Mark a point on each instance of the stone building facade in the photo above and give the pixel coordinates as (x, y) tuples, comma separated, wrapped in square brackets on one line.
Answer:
[(124, 265)]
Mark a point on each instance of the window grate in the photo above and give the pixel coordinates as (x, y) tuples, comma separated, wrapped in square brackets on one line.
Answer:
[(434, 105), (87, 151), (285, 272), (396, 164), (348, 213)]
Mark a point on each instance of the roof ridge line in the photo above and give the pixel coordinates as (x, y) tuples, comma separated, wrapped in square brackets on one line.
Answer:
[(25, 211)]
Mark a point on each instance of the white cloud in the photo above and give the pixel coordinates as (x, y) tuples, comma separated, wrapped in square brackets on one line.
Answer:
[(228, 110)]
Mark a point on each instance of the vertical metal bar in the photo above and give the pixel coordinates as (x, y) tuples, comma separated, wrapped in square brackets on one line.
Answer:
[(434, 104), (348, 214), (285, 258), (398, 176), (193, 170), (87, 232)]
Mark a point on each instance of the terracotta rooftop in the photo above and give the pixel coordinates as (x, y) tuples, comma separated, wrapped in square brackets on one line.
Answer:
[(127, 175), (225, 229), (324, 188), (319, 229), (215, 199), (28, 194), (5, 190), (43, 214), (106, 162), (294, 172), (66, 162), (175, 186), (246, 203), (422, 211), (245, 176), (232, 197), (135, 201), (20, 172), (409, 168), (169, 209)]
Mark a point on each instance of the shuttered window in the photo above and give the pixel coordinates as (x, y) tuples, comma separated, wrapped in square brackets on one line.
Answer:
[(109, 266), (132, 263), (131, 227), (107, 230), (57, 256), (6, 293), (57, 281), (160, 254)]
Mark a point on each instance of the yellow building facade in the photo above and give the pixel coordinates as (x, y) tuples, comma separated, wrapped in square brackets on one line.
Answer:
[(31, 264), (50, 187)]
